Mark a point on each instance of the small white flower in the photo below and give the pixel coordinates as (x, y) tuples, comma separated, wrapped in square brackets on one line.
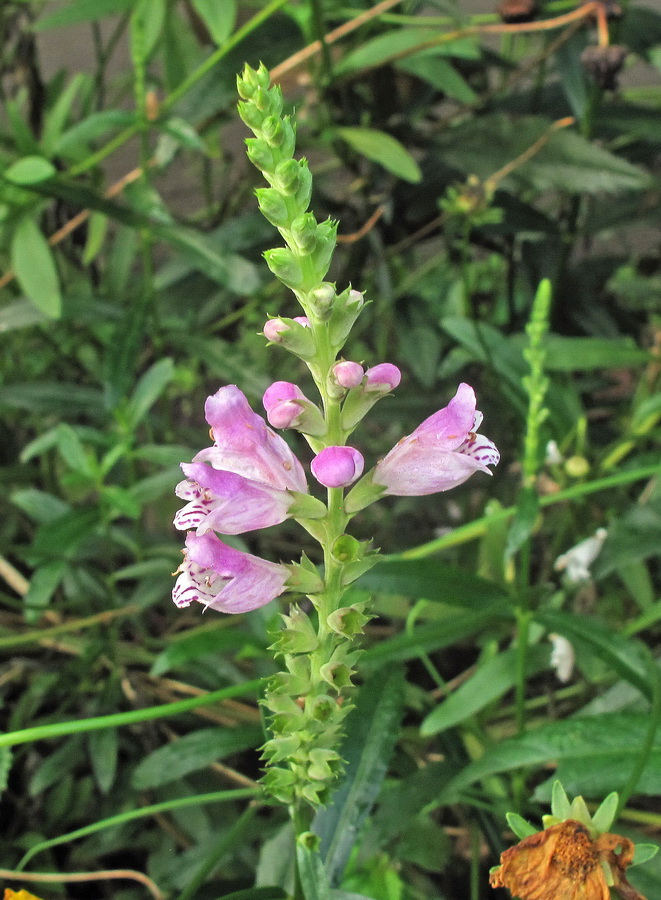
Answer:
[(553, 455), (575, 563), (562, 657)]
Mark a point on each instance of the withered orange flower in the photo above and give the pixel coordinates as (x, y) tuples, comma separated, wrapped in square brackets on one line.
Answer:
[(18, 895), (564, 863)]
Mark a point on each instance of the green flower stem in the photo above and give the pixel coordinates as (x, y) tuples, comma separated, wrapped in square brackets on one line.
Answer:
[(477, 529), (153, 810), (79, 726)]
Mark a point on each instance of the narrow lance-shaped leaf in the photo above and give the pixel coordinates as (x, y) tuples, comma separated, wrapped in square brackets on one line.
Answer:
[(35, 269)]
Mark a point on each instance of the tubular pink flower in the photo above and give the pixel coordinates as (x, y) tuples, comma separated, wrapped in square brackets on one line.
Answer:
[(245, 445), (441, 453), (227, 502), (347, 374), (337, 466), (225, 579), (384, 377)]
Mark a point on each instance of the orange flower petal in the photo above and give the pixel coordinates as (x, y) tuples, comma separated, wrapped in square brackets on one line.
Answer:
[(560, 862)]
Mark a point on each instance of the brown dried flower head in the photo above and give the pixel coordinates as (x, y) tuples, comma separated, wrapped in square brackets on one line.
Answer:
[(564, 862)]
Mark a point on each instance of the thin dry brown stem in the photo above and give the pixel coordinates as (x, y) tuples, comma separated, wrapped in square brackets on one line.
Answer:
[(332, 37), (13, 577), (492, 181), (80, 218), (56, 877), (366, 228)]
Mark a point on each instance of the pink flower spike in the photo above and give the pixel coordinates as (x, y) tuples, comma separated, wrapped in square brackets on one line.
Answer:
[(225, 579), (347, 374), (337, 467), (441, 453), (244, 444), (383, 378)]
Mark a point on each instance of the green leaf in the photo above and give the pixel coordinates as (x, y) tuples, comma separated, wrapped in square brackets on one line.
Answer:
[(440, 74), (72, 450), (58, 398), (55, 766), (604, 816), (103, 747), (433, 636), (257, 893), (20, 314), (432, 580), (314, 880), (578, 354), (191, 753), (519, 826), (372, 729), (622, 655), (634, 536), (148, 389), (6, 759), (97, 228), (198, 643), (77, 11), (30, 170), (218, 17), (384, 149), (523, 522), (492, 680), (643, 852), (401, 42), (207, 255), (146, 26), (35, 268), (595, 754), (567, 161), (75, 140), (43, 584)]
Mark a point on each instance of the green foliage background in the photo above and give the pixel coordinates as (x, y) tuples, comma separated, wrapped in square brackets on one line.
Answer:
[(130, 730)]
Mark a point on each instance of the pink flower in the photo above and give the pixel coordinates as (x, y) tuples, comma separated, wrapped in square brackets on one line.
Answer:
[(226, 502), (337, 466), (245, 445), (251, 475), (441, 453), (226, 579)]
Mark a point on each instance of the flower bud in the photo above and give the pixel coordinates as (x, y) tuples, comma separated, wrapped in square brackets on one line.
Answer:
[(337, 467), (279, 133), (326, 235), (347, 374), (322, 299), (287, 407), (273, 206), (378, 381), (251, 116), (346, 309), (252, 79), (259, 154), (383, 378), (304, 232), (285, 266), (293, 334)]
